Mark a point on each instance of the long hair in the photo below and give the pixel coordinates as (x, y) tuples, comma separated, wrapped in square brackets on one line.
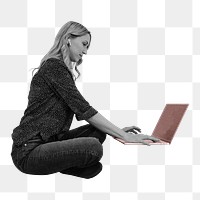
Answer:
[(69, 30)]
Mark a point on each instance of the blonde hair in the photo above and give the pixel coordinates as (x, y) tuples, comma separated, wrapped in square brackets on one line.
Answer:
[(69, 30)]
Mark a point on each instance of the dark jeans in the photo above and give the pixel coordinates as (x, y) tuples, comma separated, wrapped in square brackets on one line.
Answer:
[(78, 148)]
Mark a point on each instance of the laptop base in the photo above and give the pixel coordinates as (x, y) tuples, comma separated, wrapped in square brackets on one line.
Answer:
[(136, 143)]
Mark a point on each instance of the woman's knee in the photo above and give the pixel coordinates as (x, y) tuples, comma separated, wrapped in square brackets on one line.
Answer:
[(95, 147)]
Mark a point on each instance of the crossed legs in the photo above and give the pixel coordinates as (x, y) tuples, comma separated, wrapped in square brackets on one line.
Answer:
[(77, 153)]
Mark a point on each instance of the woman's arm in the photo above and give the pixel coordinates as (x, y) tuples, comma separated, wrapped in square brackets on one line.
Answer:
[(106, 126)]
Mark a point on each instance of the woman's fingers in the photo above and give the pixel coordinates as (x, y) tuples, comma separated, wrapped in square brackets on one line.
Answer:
[(141, 138), (147, 137), (154, 139), (136, 132), (145, 143), (134, 129), (137, 128)]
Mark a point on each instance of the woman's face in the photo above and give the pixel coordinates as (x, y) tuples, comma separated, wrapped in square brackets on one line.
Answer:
[(79, 46)]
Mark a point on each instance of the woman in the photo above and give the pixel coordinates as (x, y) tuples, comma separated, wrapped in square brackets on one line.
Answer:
[(43, 143)]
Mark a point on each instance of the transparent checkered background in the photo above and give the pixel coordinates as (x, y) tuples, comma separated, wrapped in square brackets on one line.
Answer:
[(144, 54)]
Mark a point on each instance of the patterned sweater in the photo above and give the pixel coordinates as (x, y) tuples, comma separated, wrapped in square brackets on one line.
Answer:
[(53, 100)]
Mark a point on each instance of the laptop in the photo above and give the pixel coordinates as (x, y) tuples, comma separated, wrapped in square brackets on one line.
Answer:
[(166, 126)]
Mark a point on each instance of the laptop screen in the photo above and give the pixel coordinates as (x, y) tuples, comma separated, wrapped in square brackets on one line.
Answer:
[(169, 121)]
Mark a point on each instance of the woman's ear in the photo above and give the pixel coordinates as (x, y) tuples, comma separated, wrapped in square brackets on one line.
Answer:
[(66, 38), (69, 42)]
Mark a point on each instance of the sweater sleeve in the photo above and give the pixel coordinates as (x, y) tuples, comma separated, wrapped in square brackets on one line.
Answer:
[(60, 80)]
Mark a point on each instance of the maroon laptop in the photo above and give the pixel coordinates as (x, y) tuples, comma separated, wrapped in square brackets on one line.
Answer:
[(167, 124)]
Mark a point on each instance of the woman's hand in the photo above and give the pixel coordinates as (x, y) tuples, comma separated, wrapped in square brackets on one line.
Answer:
[(133, 129), (139, 138)]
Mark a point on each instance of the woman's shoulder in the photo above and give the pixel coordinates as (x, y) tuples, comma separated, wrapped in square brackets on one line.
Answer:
[(55, 65), (52, 63)]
